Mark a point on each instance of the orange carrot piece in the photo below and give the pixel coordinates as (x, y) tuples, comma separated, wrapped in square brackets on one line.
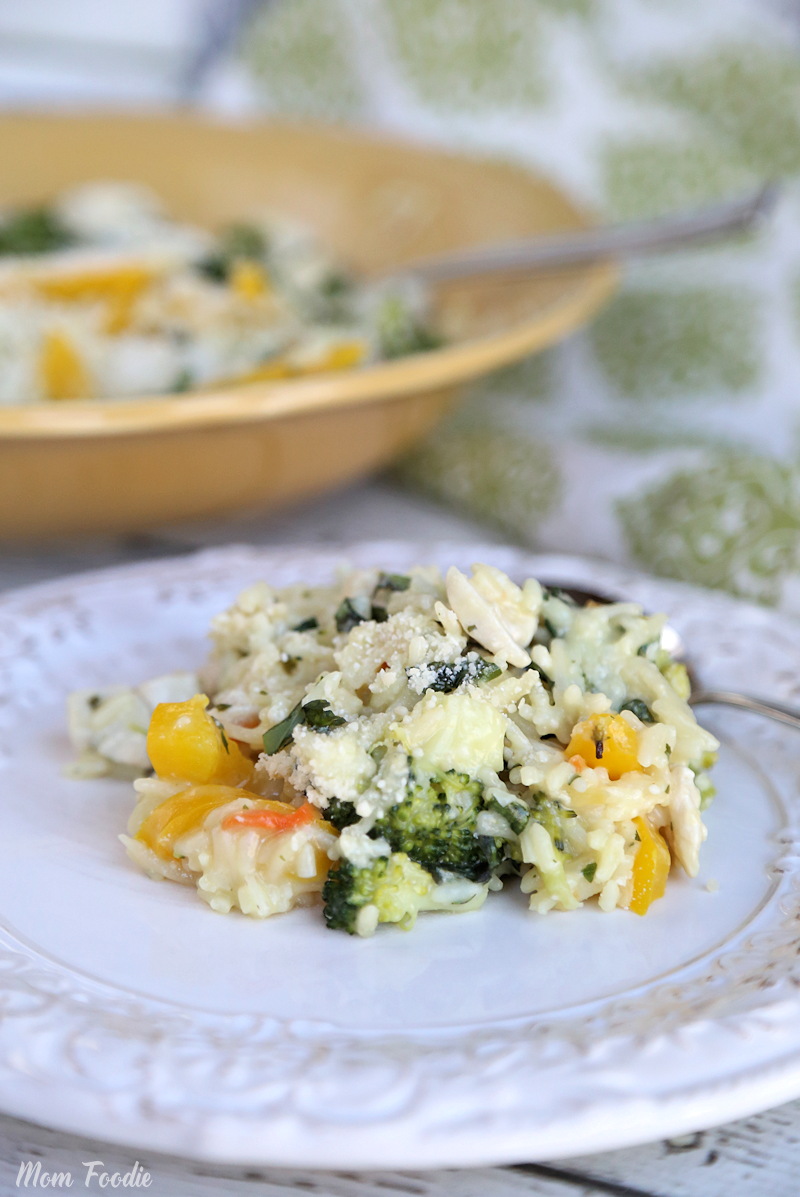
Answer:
[(269, 819)]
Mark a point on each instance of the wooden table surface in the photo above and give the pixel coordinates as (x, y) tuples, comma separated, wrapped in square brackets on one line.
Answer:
[(755, 1157)]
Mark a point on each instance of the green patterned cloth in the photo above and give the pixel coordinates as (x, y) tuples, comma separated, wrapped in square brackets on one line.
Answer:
[(668, 434)]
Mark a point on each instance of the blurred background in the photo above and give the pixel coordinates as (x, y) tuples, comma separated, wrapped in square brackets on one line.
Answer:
[(666, 435)]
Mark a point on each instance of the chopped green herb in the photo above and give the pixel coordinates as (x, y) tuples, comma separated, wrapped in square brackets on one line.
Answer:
[(289, 664), (306, 625), (379, 614), (638, 708), (224, 738), (222, 706), (94, 701), (393, 582), (589, 871)]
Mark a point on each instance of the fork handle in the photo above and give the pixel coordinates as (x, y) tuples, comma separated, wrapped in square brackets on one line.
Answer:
[(594, 244), (772, 710)]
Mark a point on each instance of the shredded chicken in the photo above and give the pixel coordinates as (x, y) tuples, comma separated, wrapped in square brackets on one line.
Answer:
[(494, 611)]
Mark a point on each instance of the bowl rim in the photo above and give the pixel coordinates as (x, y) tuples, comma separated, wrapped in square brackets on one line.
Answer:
[(382, 381)]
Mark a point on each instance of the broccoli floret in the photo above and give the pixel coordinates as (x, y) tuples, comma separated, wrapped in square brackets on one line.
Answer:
[(400, 331), (704, 784), (391, 889), (552, 816), (435, 825), (706, 789)]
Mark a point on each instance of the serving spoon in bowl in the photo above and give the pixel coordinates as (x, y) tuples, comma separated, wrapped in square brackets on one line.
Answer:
[(701, 695)]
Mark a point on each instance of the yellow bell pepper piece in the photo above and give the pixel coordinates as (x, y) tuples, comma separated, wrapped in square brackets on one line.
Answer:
[(342, 356), (186, 812), (184, 743), (249, 280), (276, 368), (107, 282), (117, 286), (651, 867), (63, 373), (606, 741), (182, 813)]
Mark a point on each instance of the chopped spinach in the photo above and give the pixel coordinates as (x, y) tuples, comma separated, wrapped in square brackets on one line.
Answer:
[(183, 382), (33, 231), (276, 738), (450, 675), (243, 241), (638, 708), (392, 582), (348, 614), (315, 714), (353, 611), (319, 716), (235, 242), (546, 681), (516, 814), (557, 593)]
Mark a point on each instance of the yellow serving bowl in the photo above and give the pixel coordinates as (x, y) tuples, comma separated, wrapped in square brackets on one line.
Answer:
[(122, 466)]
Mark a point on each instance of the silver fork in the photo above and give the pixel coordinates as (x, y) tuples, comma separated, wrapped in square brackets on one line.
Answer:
[(634, 239)]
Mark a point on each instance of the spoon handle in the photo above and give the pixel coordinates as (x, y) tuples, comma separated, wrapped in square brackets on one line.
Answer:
[(610, 241), (773, 710)]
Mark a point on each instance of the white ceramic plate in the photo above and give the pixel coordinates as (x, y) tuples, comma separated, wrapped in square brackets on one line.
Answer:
[(133, 1013)]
